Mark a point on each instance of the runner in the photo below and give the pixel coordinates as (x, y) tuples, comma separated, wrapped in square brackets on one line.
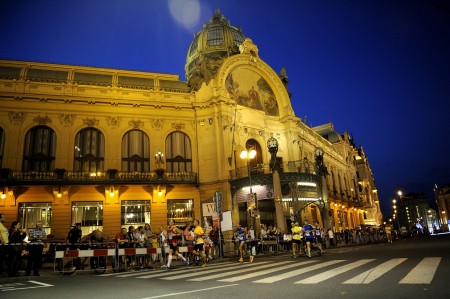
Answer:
[(198, 247), (309, 237), (318, 232), (296, 240), (241, 235), (162, 240), (173, 235)]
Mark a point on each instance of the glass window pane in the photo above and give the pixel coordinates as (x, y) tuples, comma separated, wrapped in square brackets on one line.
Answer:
[(136, 151), (215, 36), (89, 151), (89, 214), (181, 211), (39, 150), (30, 213), (135, 212), (178, 152)]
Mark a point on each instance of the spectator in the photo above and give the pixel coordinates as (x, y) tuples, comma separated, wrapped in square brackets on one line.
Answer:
[(35, 247), (121, 241), (149, 235), (4, 239), (331, 237), (74, 238), (16, 248)]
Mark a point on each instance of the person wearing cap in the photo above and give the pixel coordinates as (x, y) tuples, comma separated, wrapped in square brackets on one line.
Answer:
[(36, 237), (74, 238), (296, 239)]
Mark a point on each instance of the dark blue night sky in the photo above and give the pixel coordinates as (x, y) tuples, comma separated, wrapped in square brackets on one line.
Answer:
[(377, 69)]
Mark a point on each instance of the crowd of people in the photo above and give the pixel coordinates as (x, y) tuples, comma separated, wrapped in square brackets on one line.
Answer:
[(202, 239), (17, 246)]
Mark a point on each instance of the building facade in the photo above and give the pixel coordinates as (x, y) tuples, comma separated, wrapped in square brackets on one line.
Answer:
[(111, 148), (442, 196)]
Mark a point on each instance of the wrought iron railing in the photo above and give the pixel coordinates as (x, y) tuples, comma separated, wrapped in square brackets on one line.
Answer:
[(264, 168), (87, 177)]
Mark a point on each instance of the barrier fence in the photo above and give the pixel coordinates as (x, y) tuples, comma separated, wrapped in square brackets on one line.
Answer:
[(69, 258)]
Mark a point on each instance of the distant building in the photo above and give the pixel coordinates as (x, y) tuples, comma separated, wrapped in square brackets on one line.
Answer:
[(414, 211), (111, 148), (442, 196)]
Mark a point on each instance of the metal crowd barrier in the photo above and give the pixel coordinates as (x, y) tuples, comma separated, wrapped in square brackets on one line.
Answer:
[(71, 258)]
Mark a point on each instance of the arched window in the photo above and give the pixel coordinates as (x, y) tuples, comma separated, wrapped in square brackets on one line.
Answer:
[(39, 150), (258, 160), (89, 151), (178, 153), (136, 151), (2, 145)]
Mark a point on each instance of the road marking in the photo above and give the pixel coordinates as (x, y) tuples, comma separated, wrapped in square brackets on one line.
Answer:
[(194, 291), (191, 271), (40, 285), (259, 273), (333, 272), (174, 277), (376, 272), (423, 273), (240, 270), (297, 272), (175, 270)]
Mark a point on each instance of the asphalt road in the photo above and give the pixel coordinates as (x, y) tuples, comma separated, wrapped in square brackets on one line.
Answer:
[(413, 268)]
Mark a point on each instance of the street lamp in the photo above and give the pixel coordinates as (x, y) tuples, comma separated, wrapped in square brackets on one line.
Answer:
[(249, 155)]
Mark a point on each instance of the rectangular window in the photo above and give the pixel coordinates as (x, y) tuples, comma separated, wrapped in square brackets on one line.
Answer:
[(89, 214), (30, 213), (181, 211), (135, 212), (215, 36)]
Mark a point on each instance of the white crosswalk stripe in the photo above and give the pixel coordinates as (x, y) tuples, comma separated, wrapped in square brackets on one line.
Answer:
[(423, 273), (334, 272), (265, 272), (191, 271), (268, 272), (374, 273), (239, 271), (206, 272), (297, 272)]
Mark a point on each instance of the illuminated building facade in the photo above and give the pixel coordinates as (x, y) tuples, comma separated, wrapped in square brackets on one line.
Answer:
[(111, 148)]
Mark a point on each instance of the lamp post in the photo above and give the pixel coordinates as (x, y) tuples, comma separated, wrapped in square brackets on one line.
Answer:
[(272, 146), (249, 155)]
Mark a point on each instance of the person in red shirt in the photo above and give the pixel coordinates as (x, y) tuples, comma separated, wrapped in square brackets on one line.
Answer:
[(121, 241), (173, 236)]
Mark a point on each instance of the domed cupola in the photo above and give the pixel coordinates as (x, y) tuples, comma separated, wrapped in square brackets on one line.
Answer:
[(215, 42)]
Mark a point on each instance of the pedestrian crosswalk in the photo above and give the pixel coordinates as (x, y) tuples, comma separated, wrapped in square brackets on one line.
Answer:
[(314, 271)]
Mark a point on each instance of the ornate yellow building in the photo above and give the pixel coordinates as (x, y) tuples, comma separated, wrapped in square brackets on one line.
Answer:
[(111, 148)]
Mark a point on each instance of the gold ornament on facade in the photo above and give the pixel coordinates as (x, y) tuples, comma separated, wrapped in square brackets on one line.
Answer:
[(178, 126), (66, 119), (16, 118), (113, 122), (136, 124), (42, 120), (90, 122), (157, 123)]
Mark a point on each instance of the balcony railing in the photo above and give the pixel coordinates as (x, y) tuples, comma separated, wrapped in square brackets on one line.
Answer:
[(79, 177), (289, 167)]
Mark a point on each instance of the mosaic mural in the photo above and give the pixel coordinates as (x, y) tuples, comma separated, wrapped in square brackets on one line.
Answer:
[(250, 90)]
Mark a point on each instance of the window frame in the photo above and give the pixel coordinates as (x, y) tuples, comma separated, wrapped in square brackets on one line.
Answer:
[(40, 152), (140, 162), (133, 203), (95, 162)]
